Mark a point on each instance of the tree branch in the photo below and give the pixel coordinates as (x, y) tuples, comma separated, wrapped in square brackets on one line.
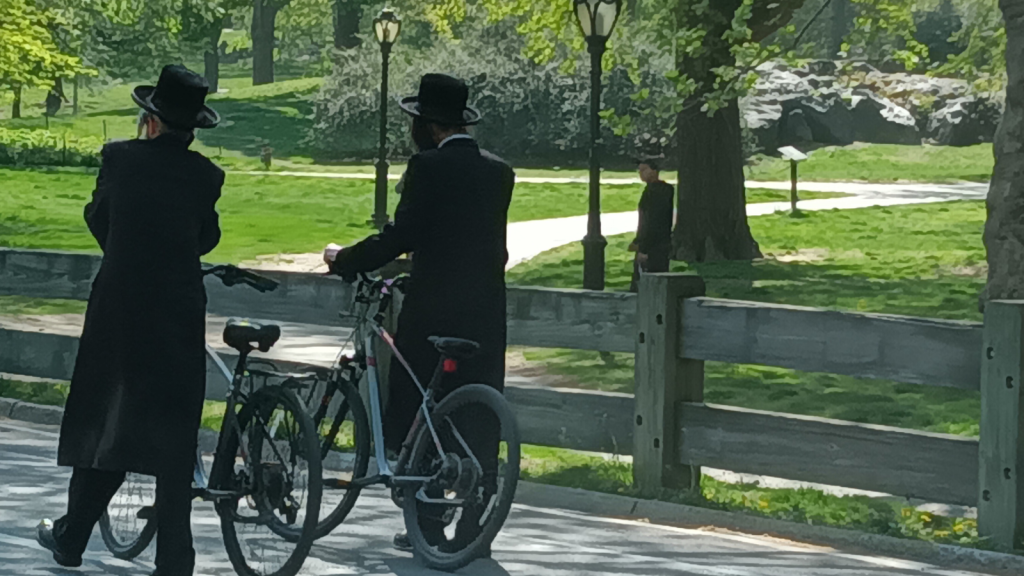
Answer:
[(769, 15)]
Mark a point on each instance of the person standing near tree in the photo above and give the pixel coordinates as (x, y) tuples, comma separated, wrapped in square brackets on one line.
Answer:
[(653, 243)]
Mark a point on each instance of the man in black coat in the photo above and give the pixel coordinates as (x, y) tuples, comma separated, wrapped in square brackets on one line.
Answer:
[(653, 243), (452, 217), (139, 382)]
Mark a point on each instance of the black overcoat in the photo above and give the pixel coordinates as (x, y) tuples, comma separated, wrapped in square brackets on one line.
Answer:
[(452, 216), (137, 390)]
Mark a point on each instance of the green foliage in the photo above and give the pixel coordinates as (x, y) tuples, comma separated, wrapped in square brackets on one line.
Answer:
[(533, 113), (42, 148), (29, 56), (884, 30)]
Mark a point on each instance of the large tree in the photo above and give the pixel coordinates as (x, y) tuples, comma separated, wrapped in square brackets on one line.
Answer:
[(264, 21), (202, 23), (1004, 229), (29, 55)]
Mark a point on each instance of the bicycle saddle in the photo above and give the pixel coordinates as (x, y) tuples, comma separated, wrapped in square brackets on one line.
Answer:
[(245, 336), (456, 348)]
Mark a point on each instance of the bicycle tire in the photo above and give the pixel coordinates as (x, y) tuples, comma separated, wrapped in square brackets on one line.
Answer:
[(361, 437), (428, 555), (309, 445), (130, 548)]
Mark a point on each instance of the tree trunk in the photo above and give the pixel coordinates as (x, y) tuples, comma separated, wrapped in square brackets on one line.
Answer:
[(712, 212), (74, 96), (347, 14), (712, 216), (1004, 229), (264, 16), (841, 19), (211, 58), (16, 107)]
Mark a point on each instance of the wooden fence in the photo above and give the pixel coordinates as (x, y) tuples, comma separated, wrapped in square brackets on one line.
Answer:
[(673, 329)]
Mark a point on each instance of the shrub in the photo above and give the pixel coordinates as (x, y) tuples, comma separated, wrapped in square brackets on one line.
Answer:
[(42, 147), (533, 113)]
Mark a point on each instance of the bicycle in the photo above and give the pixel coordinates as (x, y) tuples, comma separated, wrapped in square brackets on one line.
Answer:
[(266, 470), (438, 479)]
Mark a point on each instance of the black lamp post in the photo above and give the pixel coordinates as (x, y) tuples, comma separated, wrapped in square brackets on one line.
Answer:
[(597, 20), (386, 27)]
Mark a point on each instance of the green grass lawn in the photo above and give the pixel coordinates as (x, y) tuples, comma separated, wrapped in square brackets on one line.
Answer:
[(884, 163), (263, 214), (925, 260)]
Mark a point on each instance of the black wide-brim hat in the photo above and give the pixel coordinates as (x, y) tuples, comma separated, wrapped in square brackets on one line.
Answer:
[(442, 99), (179, 99)]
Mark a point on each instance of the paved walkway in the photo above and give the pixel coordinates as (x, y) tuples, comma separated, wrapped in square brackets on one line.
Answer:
[(528, 239), (535, 541)]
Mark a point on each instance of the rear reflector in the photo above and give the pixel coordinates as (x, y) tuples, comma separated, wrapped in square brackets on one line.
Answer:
[(450, 366)]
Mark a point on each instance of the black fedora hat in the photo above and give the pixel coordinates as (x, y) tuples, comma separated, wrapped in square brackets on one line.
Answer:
[(442, 99), (179, 99)]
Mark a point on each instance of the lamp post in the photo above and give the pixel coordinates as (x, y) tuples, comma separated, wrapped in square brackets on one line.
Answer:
[(597, 20), (386, 27)]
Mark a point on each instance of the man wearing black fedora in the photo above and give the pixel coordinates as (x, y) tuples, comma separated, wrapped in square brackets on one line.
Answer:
[(139, 381), (452, 217)]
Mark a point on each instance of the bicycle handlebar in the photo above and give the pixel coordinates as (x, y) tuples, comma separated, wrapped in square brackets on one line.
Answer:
[(231, 275)]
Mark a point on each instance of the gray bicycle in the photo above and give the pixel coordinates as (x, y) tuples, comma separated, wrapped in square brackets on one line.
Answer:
[(455, 491)]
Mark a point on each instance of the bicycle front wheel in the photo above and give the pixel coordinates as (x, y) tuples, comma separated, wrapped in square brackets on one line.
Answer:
[(453, 517), (271, 465), (129, 522), (345, 448)]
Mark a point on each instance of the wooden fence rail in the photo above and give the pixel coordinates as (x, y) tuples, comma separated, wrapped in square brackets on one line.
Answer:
[(673, 329)]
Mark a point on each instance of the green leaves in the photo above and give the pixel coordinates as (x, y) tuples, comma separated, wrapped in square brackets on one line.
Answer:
[(29, 55)]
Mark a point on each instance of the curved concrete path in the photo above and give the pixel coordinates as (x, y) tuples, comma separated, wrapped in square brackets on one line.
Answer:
[(528, 239)]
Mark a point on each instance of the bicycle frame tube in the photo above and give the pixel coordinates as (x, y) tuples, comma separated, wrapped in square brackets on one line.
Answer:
[(199, 475), (376, 414)]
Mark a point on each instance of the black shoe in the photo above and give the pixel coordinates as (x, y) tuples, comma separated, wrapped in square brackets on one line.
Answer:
[(44, 535), (401, 542)]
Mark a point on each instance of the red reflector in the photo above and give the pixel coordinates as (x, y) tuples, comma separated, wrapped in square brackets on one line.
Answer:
[(371, 361), (450, 365)]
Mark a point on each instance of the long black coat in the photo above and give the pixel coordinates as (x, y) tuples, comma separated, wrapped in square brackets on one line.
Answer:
[(137, 391), (452, 216)]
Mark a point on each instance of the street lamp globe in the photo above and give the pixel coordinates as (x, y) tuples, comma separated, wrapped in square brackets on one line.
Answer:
[(387, 26), (597, 17)]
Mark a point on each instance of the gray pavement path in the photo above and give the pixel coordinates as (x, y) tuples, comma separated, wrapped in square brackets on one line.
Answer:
[(535, 541)]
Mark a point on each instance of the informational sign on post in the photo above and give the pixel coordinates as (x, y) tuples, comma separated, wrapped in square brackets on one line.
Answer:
[(794, 156)]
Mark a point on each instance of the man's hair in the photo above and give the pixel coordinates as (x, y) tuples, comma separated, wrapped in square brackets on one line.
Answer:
[(652, 163), (183, 134)]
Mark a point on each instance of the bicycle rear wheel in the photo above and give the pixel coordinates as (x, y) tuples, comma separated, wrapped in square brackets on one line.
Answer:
[(129, 522), (272, 464), (453, 518)]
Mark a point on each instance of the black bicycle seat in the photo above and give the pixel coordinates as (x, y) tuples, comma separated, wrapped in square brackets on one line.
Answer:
[(456, 348), (245, 336)]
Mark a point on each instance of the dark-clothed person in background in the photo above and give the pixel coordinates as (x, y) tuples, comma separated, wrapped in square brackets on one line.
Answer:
[(653, 243), (452, 217), (139, 381)]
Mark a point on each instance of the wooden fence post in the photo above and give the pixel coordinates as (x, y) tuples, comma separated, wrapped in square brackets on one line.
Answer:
[(662, 380), (1001, 466)]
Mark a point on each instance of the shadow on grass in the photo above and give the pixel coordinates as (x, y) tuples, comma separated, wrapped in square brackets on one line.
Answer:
[(281, 122)]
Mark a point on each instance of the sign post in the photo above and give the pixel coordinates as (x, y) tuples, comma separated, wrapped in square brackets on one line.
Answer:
[(794, 156)]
